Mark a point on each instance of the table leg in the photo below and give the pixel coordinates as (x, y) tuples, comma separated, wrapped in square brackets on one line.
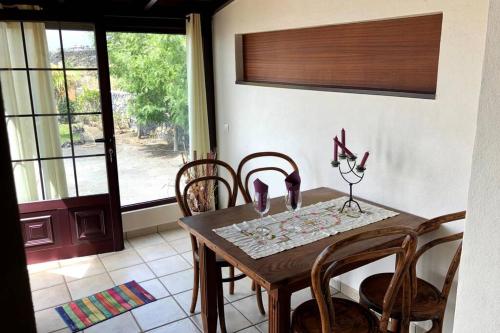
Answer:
[(279, 310), (208, 279)]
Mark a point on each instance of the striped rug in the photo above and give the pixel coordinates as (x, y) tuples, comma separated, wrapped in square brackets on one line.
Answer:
[(104, 305)]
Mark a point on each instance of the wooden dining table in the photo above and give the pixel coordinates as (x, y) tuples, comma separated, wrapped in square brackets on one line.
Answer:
[(282, 273)]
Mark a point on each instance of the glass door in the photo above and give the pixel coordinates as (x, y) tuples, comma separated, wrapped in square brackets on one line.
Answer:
[(62, 147)]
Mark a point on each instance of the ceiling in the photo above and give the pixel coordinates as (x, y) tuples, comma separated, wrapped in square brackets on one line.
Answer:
[(157, 8)]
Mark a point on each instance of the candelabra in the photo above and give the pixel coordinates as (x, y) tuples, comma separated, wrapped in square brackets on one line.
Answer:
[(352, 175)]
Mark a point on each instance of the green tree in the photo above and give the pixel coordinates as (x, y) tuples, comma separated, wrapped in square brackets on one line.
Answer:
[(153, 68)]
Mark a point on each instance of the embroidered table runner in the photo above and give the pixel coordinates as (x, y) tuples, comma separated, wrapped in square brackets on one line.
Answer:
[(309, 224)]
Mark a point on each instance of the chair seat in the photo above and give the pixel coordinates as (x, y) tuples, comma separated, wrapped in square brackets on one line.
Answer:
[(350, 317), (426, 305), (219, 260)]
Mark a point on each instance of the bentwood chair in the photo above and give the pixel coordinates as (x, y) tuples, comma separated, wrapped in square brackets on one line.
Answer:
[(182, 199), (328, 314), (243, 185), (427, 301)]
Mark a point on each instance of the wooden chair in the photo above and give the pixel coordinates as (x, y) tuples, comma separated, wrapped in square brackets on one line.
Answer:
[(182, 200), (427, 302), (331, 314), (243, 185)]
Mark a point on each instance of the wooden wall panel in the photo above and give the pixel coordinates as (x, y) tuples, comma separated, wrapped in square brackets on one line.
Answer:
[(390, 55)]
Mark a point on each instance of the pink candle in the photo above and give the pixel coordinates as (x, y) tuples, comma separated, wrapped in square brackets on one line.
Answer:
[(363, 161), (342, 137), (335, 149)]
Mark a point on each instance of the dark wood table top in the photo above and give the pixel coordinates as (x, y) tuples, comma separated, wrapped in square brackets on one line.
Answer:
[(291, 266)]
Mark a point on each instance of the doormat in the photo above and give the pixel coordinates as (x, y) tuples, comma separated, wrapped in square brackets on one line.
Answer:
[(91, 310)]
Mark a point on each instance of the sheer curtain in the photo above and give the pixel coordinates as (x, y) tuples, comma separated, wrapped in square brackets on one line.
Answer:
[(17, 101), (197, 98)]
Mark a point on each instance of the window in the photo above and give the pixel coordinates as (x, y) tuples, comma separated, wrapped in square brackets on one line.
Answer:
[(149, 93), (50, 88)]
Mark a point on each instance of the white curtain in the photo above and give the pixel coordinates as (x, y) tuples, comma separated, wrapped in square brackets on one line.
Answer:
[(197, 97), (17, 102)]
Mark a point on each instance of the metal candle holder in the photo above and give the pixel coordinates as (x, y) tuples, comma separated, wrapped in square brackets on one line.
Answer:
[(357, 173)]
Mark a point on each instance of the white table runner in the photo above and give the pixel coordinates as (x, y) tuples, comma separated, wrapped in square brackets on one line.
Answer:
[(314, 222)]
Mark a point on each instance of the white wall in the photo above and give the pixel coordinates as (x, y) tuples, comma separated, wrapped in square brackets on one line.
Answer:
[(478, 305), (420, 150)]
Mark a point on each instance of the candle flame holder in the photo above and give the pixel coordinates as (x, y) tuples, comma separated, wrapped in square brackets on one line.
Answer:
[(352, 175)]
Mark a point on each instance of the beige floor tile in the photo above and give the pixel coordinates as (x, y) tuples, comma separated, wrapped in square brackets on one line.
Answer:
[(181, 326), (64, 330), (242, 289), (188, 256), (158, 313), (248, 307), (121, 259), (157, 251), (89, 285), (174, 234), (48, 321), (138, 273), (35, 268), (235, 321), (81, 269), (184, 300), (249, 330), (300, 297), (181, 245), (123, 323), (178, 282), (146, 240), (155, 288), (50, 297), (77, 260), (168, 265), (263, 327), (45, 279)]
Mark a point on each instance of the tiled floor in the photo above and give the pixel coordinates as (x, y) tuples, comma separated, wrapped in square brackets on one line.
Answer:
[(161, 263)]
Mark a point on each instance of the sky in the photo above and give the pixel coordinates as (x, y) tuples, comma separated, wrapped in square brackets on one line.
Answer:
[(71, 38)]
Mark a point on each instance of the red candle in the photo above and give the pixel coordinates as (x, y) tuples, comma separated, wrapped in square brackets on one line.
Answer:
[(342, 137), (335, 149), (344, 148), (363, 161)]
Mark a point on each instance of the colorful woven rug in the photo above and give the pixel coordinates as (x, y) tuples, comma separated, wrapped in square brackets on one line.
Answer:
[(104, 305)]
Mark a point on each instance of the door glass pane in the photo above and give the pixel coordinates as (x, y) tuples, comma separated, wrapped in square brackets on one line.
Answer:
[(91, 175), (53, 136), (83, 91), (149, 92), (59, 180), (12, 50), (27, 179), (21, 138), (79, 49), (86, 129), (54, 47), (15, 92), (48, 91)]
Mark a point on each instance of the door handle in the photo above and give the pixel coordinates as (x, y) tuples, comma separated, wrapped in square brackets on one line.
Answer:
[(100, 140), (111, 152)]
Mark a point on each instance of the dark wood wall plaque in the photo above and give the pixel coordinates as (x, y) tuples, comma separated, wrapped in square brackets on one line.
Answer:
[(393, 55)]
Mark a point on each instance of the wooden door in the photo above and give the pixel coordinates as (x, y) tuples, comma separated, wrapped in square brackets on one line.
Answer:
[(63, 145)]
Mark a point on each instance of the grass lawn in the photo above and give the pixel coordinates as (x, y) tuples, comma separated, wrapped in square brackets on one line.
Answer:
[(64, 135)]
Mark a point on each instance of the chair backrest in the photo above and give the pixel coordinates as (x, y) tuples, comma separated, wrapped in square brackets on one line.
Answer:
[(182, 196), (399, 241), (243, 183), (434, 224)]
